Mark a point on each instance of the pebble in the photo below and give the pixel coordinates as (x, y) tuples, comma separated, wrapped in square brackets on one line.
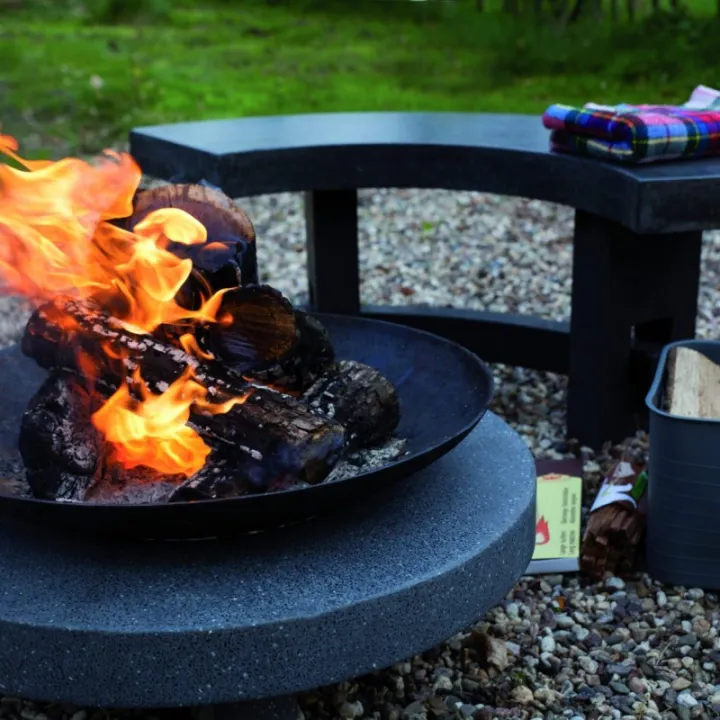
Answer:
[(685, 703), (522, 695), (680, 683), (351, 710), (588, 664), (637, 685), (565, 621), (615, 583), (581, 633)]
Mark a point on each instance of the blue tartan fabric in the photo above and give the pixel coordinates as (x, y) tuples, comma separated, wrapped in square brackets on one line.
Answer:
[(639, 133)]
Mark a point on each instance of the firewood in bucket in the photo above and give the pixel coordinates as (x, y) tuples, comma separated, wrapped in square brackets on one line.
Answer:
[(270, 435), (616, 526), (693, 385)]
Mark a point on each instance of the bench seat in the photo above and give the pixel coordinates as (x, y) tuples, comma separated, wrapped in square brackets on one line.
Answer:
[(637, 238)]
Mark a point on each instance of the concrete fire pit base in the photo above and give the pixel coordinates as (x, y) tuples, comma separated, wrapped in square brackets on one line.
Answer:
[(282, 708), (207, 623)]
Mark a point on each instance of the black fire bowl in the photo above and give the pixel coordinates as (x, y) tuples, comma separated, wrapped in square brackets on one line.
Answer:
[(443, 389)]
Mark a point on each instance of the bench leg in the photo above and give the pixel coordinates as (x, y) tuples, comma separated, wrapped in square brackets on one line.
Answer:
[(631, 295), (332, 246), (281, 708)]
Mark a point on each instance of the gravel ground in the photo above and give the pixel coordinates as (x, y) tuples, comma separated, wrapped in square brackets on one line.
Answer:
[(557, 646)]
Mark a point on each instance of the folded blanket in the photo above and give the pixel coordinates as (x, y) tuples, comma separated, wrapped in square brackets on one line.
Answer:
[(639, 133)]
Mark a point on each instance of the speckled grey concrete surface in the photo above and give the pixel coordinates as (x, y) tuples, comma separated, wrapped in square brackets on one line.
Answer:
[(282, 708), (174, 623)]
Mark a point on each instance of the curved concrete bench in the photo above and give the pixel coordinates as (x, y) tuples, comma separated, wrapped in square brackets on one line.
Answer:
[(636, 246)]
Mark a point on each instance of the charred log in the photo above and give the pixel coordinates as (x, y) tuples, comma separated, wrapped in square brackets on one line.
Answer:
[(270, 435), (358, 397), (217, 479), (67, 459), (60, 447), (276, 442), (228, 257), (261, 336), (311, 357), (256, 329)]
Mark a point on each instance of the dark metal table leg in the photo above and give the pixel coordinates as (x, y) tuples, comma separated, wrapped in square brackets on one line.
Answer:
[(332, 246), (631, 295), (281, 708)]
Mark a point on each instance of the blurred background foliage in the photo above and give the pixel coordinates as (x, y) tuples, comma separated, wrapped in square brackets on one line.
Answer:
[(76, 75)]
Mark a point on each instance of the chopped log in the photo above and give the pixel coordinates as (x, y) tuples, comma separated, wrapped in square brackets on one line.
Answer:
[(228, 258), (67, 459), (71, 335), (264, 338), (217, 479), (693, 387), (270, 435), (358, 397), (614, 533), (312, 356), (60, 447), (256, 329)]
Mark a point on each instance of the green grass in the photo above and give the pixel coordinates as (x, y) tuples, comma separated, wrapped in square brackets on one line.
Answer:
[(70, 81)]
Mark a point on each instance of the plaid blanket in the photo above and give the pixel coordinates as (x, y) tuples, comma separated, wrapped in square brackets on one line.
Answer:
[(639, 133)]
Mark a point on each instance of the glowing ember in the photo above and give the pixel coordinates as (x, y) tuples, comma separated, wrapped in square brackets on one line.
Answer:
[(56, 238)]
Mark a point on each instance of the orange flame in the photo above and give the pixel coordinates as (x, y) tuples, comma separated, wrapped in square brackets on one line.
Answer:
[(56, 238), (153, 431), (190, 345)]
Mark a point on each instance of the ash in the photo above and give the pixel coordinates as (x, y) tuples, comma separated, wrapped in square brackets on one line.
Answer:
[(12, 476), (368, 459)]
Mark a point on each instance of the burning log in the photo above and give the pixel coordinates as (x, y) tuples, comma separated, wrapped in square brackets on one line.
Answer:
[(67, 334), (270, 436), (616, 526), (359, 398), (66, 457), (263, 337), (228, 257), (153, 395), (225, 260)]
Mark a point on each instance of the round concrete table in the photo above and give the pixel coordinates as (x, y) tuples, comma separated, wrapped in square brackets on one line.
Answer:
[(205, 623)]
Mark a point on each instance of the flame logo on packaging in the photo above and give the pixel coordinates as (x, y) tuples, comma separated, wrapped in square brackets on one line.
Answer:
[(542, 532)]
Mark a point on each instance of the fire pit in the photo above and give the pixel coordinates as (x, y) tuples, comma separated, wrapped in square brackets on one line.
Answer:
[(160, 392), (182, 398), (168, 624)]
